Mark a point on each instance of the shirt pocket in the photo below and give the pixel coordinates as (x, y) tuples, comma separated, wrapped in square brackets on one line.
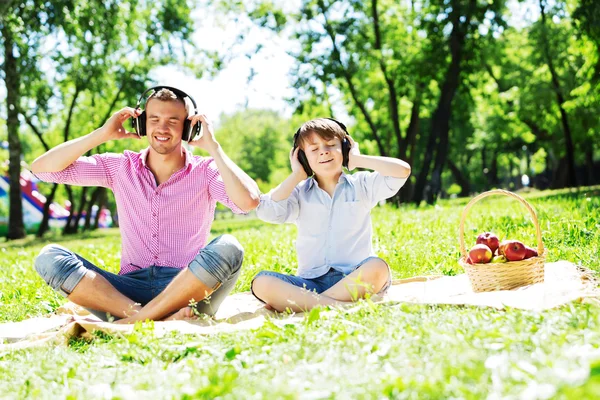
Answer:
[(348, 209), (313, 219)]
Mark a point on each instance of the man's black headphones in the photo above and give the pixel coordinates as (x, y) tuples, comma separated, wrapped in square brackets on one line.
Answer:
[(189, 131), (345, 148)]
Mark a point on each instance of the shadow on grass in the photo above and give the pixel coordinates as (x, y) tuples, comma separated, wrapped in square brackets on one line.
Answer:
[(57, 237), (218, 227), (557, 194)]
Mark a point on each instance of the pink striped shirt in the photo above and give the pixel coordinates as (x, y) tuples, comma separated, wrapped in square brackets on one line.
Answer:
[(164, 225)]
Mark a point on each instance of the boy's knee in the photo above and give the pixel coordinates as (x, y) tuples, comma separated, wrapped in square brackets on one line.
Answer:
[(260, 286), (376, 271)]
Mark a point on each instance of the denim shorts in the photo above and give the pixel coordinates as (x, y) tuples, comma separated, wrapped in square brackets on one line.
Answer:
[(323, 282)]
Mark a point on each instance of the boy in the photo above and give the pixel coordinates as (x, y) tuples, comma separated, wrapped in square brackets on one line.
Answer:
[(332, 210)]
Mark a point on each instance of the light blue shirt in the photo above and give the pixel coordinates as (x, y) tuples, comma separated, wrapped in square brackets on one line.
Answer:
[(332, 232)]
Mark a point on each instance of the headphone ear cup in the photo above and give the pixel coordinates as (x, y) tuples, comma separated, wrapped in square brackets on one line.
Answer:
[(304, 162), (139, 124), (187, 131), (194, 130), (346, 152)]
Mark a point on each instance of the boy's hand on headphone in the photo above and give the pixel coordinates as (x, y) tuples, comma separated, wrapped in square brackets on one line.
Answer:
[(297, 168), (206, 140), (113, 128), (354, 151)]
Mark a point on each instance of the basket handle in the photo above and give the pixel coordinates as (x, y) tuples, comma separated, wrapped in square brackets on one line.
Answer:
[(538, 232)]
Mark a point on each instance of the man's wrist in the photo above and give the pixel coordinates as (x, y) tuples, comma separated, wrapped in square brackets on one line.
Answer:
[(213, 149), (101, 135)]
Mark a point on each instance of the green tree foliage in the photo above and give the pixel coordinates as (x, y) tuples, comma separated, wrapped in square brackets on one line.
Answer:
[(459, 88), (258, 141), (78, 62)]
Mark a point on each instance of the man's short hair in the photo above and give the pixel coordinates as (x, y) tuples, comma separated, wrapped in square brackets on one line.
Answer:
[(168, 95), (325, 128)]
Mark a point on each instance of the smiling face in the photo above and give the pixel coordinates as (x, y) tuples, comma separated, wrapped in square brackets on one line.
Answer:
[(164, 124), (321, 141), (324, 155)]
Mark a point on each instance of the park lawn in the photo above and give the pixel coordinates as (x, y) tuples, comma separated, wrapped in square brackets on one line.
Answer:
[(401, 351)]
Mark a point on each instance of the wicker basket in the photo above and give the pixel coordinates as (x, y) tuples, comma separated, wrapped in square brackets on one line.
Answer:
[(508, 275)]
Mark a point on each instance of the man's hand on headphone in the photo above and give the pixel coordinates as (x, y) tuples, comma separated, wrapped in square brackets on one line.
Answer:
[(113, 128), (354, 151), (207, 139)]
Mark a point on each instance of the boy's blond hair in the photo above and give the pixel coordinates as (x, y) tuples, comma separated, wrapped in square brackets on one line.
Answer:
[(325, 128)]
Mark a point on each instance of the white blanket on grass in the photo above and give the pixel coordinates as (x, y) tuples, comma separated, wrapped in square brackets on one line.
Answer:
[(564, 282)]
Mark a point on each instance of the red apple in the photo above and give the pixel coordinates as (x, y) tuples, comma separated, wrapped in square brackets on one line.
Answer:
[(490, 240), (529, 252), (468, 260), (480, 254), (513, 250)]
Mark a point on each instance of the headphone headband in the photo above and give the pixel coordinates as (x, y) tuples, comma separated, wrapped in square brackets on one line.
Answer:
[(340, 124), (179, 93)]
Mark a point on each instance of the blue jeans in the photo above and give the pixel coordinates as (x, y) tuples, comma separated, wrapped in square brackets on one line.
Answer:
[(217, 265), (321, 283)]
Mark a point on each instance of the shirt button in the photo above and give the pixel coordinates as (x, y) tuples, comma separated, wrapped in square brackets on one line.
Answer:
[(154, 235), (155, 257), (154, 214)]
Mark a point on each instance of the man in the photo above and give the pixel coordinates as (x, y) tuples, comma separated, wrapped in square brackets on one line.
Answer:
[(166, 199)]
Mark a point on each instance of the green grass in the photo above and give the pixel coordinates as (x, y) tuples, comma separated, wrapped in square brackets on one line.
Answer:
[(402, 351)]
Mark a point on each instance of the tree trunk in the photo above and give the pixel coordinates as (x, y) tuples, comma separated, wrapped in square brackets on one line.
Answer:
[(79, 214), (511, 167), (460, 179), (571, 178), (407, 152), (493, 172), (589, 162), (337, 56), (101, 204), (392, 93), (16, 227), (441, 118), (67, 228), (420, 185), (44, 225), (88, 215)]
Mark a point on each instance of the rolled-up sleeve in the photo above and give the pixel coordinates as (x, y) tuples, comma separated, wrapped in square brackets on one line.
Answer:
[(279, 212), (216, 188), (377, 187), (96, 170)]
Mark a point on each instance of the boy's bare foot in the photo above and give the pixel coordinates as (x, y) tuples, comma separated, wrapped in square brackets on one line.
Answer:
[(184, 313)]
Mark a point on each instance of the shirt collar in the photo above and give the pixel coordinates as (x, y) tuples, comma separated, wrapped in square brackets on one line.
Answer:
[(144, 157), (312, 181)]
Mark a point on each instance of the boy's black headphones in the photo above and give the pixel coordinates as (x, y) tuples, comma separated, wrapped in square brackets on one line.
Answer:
[(345, 148), (189, 131)]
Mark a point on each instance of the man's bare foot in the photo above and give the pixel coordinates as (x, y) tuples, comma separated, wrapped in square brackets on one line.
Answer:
[(184, 313)]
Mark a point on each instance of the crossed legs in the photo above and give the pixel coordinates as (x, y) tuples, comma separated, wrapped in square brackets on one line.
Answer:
[(371, 277), (212, 274)]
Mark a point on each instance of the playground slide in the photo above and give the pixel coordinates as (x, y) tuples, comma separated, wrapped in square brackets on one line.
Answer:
[(33, 205)]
